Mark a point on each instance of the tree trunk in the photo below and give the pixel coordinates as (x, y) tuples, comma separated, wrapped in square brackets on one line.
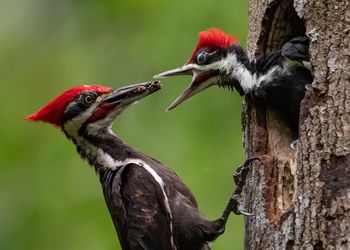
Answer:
[(300, 199)]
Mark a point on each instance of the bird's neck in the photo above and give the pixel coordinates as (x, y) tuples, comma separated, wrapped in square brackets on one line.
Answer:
[(240, 73), (103, 150)]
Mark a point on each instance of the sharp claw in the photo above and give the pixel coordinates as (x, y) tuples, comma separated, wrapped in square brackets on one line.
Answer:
[(241, 173), (293, 145), (239, 178), (245, 213), (238, 208), (235, 203), (308, 87)]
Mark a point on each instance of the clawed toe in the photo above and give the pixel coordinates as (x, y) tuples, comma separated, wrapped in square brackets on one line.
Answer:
[(239, 178), (238, 209), (293, 145)]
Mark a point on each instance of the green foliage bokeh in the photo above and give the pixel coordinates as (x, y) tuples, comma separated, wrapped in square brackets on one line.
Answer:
[(49, 197)]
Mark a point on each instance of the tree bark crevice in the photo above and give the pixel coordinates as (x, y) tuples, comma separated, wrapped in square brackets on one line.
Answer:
[(300, 199)]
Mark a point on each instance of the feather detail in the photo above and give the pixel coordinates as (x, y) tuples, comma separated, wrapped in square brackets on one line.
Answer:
[(213, 39), (54, 110)]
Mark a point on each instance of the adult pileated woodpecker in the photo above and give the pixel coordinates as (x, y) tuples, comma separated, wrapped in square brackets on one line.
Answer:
[(150, 207), (277, 79)]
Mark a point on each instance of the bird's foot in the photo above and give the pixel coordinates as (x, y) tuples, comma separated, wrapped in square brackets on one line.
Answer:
[(239, 178), (241, 173), (235, 203), (237, 208)]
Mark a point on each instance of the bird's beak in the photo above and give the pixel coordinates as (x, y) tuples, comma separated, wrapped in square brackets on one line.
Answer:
[(184, 70), (132, 93), (201, 79)]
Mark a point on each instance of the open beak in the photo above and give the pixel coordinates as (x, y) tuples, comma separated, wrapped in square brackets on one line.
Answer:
[(132, 93), (184, 70), (200, 80)]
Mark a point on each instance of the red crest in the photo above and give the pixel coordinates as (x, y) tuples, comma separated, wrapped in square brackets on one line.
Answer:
[(212, 39), (54, 110)]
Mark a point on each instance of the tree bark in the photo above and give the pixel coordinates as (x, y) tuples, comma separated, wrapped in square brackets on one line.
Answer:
[(300, 199)]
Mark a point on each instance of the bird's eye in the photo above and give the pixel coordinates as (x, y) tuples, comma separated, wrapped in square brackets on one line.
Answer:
[(88, 99), (202, 58)]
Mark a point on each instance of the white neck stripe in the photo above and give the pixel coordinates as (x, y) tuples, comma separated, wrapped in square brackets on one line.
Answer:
[(159, 180), (247, 79), (161, 184), (106, 161)]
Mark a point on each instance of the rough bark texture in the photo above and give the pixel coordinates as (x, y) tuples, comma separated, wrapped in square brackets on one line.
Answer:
[(300, 199)]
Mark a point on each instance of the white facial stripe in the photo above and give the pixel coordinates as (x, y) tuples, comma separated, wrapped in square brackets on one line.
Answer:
[(212, 66), (231, 65), (94, 128), (246, 79), (72, 126), (238, 71)]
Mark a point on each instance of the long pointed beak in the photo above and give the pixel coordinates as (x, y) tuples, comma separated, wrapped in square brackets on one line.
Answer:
[(135, 92), (184, 70), (189, 92), (200, 81)]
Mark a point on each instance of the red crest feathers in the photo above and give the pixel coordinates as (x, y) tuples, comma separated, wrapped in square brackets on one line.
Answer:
[(212, 39), (54, 110)]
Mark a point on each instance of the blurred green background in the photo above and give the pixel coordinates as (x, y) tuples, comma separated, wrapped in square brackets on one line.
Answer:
[(49, 197)]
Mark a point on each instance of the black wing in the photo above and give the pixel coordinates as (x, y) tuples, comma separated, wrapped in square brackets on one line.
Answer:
[(111, 185), (297, 49), (148, 221), (136, 203)]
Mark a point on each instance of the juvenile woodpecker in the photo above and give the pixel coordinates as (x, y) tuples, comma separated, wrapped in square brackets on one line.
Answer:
[(277, 79), (150, 206)]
